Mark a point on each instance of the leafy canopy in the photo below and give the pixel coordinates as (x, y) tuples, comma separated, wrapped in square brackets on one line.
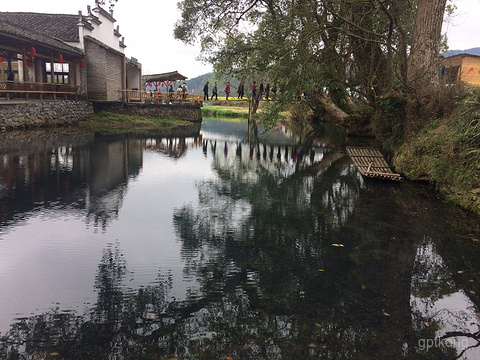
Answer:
[(343, 46)]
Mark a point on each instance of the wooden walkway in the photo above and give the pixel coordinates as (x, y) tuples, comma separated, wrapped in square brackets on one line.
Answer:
[(371, 163), (159, 97), (25, 89)]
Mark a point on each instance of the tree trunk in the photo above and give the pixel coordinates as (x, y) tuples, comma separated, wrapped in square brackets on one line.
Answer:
[(320, 100), (423, 63)]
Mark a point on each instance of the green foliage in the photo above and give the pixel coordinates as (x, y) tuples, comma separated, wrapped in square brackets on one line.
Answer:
[(271, 115), (447, 152), (111, 3), (336, 46), (387, 123), (214, 111)]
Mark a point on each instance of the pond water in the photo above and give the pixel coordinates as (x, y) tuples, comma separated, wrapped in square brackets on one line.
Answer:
[(226, 244)]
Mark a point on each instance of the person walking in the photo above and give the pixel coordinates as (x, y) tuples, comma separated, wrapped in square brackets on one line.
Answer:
[(241, 90), (274, 91), (215, 92), (254, 90), (260, 91), (267, 91), (227, 90), (205, 91)]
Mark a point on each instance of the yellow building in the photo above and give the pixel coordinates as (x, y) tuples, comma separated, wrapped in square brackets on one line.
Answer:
[(462, 68)]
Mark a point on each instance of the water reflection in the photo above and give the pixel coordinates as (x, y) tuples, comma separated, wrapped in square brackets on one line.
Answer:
[(284, 253)]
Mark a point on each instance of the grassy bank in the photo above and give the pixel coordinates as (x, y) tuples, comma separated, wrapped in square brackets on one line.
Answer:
[(447, 153), (225, 111), (110, 124)]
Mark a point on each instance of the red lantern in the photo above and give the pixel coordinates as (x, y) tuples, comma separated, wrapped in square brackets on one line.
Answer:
[(60, 58), (1, 59), (33, 52), (82, 64), (167, 82)]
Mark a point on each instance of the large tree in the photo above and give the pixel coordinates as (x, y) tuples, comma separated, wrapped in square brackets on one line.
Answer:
[(354, 51), (424, 62)]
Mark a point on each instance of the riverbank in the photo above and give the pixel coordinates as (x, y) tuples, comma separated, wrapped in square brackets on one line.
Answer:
[(226, 109), (106, 123), (447, 153)]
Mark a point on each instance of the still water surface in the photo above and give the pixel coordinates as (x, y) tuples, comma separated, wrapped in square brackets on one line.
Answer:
[(226, 245)]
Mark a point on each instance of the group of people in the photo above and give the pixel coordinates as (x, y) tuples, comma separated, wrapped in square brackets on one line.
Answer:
[(181, 90), (263, 90), (215, 91)]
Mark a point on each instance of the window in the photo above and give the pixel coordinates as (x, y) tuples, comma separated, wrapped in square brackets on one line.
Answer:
[(61, 73), (451, 74), (4, 69)]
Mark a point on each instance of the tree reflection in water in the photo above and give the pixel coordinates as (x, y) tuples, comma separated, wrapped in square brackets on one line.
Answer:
[(294, 261)]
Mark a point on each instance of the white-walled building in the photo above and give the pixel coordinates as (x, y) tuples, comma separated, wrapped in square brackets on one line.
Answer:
[(83, 50)]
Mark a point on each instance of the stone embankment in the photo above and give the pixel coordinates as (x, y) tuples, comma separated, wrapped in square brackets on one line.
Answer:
[(21, 114), (42, 140), (186, 111), (34, 114)]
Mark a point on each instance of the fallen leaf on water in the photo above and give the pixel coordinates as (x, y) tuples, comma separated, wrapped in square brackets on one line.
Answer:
[(228, 358), (312, 346), (321, 269), (386, 314), (426, 323), (363, 287), (338, 245), (460, 272)]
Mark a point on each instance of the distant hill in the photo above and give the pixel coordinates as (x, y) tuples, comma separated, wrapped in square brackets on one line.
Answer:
[(196, 84), (472, 51)]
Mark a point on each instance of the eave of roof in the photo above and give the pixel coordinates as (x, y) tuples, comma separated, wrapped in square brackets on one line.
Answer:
[(20, 33), (60, 26), (462, 55), (98, 42), (170, 76)]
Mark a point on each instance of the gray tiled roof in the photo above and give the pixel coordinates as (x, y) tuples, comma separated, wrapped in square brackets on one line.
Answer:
[(59, 26), (170, 76), (23, 33)]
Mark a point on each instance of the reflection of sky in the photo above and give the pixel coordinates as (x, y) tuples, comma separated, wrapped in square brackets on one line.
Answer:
[(236, 130), (452, 312), (51, 257)]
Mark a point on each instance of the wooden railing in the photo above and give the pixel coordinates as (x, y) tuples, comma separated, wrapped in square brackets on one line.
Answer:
[(158, 97), (26, 89)]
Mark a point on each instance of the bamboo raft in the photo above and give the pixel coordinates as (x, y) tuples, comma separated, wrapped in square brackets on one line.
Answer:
[(371, 163)]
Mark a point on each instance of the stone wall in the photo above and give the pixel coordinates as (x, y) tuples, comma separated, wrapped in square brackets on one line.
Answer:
[(21, 142), (105, 72), (187, 112), (31, 114), (96, 71)]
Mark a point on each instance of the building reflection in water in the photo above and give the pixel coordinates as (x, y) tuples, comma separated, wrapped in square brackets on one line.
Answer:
[(257, 245)]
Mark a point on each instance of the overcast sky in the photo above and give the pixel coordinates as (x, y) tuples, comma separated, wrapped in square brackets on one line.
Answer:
[(147, 26)]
